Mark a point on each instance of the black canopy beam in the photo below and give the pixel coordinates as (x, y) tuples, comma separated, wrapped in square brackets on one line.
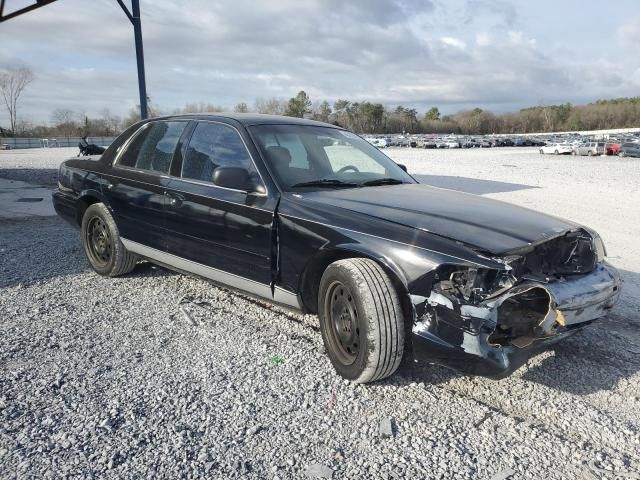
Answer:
[(39, 3), (134, 17)]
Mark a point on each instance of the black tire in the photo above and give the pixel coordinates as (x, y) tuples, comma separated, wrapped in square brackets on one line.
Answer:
[(102, 245), (590, 153), (556, 152), (358, 299), (541, 152)]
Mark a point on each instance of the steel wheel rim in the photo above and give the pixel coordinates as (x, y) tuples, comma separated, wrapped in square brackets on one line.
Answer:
[(343, 327), (99, 242)]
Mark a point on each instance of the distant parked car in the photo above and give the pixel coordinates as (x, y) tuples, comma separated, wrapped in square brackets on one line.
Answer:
[(5, 146), (557, 149), (377, 142), (503, 142), (629, 150), (612, 148), (522, 142), (590, 149), (427, 143)]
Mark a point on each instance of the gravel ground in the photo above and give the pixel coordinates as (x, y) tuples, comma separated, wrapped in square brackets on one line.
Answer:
[(108, 378)]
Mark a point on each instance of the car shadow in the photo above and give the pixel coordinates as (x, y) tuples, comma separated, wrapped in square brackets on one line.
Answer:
[(59, 252), (595, 359), (47, 177), (470, 185)]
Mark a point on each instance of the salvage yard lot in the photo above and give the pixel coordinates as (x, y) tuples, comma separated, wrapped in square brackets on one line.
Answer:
[(106, 377)]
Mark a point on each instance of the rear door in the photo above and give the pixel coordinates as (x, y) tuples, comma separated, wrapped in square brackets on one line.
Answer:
[(225, 234), (137, 182)]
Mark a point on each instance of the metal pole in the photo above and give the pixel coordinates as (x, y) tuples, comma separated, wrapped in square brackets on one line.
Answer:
[(137, 33)]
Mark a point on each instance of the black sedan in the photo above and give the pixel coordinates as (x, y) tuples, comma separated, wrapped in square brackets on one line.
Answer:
[(315, 218)]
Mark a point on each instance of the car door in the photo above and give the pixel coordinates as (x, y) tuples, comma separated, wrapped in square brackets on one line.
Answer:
[(135, 191), (225, 234)]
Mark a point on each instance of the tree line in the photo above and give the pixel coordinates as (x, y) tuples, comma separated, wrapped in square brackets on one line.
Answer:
[(358, 116)]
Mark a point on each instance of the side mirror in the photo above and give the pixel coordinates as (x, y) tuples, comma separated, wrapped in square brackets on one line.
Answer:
[(231, 177), (403, 167), (236, 178)]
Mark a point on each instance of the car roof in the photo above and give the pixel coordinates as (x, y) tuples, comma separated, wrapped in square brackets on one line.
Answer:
[(248, 119)]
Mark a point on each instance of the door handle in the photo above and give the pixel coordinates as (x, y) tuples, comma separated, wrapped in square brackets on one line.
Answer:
[(174, 199)]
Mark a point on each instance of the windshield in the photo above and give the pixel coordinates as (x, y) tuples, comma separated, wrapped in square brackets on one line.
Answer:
[(307, 156)]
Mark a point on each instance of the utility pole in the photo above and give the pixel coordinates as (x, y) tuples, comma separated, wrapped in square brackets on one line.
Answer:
[(134, 18)]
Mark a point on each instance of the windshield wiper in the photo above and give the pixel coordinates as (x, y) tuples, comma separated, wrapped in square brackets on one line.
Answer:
[(382, 181), (326, 182)]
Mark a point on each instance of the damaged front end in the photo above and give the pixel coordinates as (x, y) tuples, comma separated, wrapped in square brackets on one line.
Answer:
[(489, 322)]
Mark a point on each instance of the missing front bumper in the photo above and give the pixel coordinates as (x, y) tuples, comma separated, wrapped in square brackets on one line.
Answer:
[(498, 336)]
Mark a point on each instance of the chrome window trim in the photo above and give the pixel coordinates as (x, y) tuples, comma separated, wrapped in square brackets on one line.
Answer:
[(211, 184), (253, 161), (262, 290), (155, 173), (168, 187)]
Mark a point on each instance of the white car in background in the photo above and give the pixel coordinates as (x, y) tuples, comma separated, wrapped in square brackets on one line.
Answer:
[(557, 149), (378, 142)]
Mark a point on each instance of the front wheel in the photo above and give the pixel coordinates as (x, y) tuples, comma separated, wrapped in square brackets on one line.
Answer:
[(361, 320), (102, 245)]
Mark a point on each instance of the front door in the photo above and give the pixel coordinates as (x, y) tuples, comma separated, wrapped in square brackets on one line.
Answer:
[(224, 234)]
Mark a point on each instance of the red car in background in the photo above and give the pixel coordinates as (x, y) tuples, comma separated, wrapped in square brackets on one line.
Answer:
[(612, 148)]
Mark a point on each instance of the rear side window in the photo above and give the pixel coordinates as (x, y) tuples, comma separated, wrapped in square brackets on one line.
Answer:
[(214, 145), (153, 148)]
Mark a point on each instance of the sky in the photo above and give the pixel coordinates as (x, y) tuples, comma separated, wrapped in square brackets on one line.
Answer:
[(499, 55)]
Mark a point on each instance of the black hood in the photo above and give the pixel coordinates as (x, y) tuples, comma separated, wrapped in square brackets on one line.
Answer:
[(488, 224)]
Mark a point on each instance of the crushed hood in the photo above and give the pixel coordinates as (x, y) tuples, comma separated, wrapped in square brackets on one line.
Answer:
[(488, 224)]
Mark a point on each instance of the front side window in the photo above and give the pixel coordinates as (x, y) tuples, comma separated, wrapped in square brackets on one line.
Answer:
[(153, 148), (214, 145), (308, 156)]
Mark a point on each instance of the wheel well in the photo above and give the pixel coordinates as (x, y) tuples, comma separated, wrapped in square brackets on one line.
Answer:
[(82, 205), (313, 274), (311, 284)]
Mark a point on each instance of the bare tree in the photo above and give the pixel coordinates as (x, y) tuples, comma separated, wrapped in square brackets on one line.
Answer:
[(63, 119), (62, 115), (242, 107), (272, 106), (12, 83)]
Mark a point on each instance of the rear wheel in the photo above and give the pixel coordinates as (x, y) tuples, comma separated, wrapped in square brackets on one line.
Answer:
[(361, 320), (102, 245), (590, 153)]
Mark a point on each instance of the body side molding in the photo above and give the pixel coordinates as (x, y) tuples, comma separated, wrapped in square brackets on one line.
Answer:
[(220, 276)]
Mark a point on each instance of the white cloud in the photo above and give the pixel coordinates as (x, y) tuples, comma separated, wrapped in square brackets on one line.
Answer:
[(453, 42), (484, 39)]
